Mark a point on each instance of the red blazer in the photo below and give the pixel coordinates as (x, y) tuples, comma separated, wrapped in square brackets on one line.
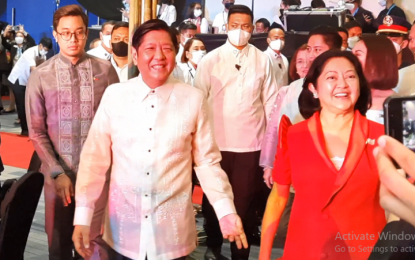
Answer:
[(336, 214)]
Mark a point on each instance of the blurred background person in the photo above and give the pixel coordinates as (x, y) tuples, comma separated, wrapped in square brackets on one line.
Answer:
[(406, 84), (390, 9), (196, 16), (378, 58), (299, 65), (94, 43), (221, 19), (355, 31), (177, 71), (194, 51), (125, 11), (262, 26), (397, 30), (327, 159), (119, 45), (318, 4), (280, 65), (345, 36), (19, 76), (166, 11), (362, 16), (104, 50), (187, 31), (412, 39)]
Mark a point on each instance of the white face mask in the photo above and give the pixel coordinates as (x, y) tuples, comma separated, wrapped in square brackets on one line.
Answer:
[(343, 48), (277, 45), (382, 3), (106, 39), (42, 52), (352, 41), (239, 37), (197, 12), (197, 56), (397, 47), (19, 40), (349, 6)]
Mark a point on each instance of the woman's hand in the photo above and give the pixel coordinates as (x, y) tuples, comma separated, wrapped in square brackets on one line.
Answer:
[(397, 193)]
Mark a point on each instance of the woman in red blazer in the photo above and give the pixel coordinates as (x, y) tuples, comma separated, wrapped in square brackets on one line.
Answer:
[(328, 159)]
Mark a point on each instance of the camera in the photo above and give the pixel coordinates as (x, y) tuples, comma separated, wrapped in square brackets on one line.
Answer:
[(15, 28)]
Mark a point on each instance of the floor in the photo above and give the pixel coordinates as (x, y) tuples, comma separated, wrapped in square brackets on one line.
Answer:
[(36, 248)]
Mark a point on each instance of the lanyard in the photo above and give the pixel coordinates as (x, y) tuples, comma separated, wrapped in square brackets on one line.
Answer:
[(357, 10), (190, 71), (390, 9)]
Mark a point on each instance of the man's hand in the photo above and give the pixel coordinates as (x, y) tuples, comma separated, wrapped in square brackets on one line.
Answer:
[(7, 30), (232, 229), (64, 188), (367, 18), (21, 28), (268, 177), (397, 194), (80, 239)]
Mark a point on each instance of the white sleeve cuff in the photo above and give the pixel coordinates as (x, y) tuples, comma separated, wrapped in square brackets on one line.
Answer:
[(224, 207), (83, 216)]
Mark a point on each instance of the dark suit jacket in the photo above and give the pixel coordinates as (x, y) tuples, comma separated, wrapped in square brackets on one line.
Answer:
[(359, 17)]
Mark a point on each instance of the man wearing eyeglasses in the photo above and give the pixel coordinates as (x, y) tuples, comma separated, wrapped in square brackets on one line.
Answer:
[(63, 95)]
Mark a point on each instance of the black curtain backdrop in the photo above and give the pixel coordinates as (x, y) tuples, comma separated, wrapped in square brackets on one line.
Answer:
[(106, 9)]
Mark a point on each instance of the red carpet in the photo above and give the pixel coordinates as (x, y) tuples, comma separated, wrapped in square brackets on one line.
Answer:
[(16, 150)]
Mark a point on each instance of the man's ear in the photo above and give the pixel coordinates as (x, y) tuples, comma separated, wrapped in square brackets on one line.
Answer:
[(101, 35), (134, 55), (268, 41), (55, 36)]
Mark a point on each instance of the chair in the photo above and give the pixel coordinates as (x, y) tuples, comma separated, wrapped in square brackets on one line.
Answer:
[(17, 211)]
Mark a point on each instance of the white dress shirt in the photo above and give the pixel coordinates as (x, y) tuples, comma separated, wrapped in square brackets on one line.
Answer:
[(100, 52), (204, 24), (290, 106), (122, 72), (220, 21), (280, 67), (239, 100), (189, 73), (21, 70), (406, 84), (168, 15), (149, 139), (178, 73)]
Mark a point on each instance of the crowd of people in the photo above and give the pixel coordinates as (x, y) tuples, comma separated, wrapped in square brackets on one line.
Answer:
[(277, 145)]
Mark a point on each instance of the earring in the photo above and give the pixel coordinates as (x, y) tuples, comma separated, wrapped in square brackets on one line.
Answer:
[(315, 95)]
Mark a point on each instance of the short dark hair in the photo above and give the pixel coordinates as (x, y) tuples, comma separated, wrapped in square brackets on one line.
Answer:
[(292, 71), (46, 42), (187, 26), (240, 9), (109, 22), (187, 46), (318, 4), (291, 2), (264, 21), (341, 29), (381, 68), (309, 105), (118, 25), (174, 31), (153, 25), (352, 24), (330, 35), (69, 10), (191, 9)]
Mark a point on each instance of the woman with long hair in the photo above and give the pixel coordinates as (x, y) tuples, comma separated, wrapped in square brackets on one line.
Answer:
[(166, 11), (196, 16), (328, 159)]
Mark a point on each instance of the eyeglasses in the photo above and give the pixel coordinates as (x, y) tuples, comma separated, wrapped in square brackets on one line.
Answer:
[(66, 36)]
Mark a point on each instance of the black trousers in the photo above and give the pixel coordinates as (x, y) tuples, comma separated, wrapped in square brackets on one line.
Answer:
[(19, 93), (243, 171)]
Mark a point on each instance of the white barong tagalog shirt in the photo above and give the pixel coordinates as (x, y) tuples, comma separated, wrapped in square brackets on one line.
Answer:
[(149, 139), (240, 100)]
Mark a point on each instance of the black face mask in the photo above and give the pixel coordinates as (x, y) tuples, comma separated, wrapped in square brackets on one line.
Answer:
[(120, 49), (228, 5)]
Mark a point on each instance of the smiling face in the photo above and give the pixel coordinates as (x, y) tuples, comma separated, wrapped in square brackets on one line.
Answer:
[(301, 63), (337, 86), (155, 58), (316, 46), (74, 47), (360, 51)]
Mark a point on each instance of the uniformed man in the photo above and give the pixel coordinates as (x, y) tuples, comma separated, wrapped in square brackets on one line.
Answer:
[(397, 30)]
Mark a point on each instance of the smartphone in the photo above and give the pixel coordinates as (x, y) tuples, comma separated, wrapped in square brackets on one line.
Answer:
[(15, 28), (399, 113)]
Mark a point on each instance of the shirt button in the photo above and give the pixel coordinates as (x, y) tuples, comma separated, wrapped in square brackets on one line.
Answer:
[(146, 195), (148, 173), (153, 91), (146, 216), (76, 101), (325, 217), (149, 151), (152, 106), (151, 129), (323, 256)]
